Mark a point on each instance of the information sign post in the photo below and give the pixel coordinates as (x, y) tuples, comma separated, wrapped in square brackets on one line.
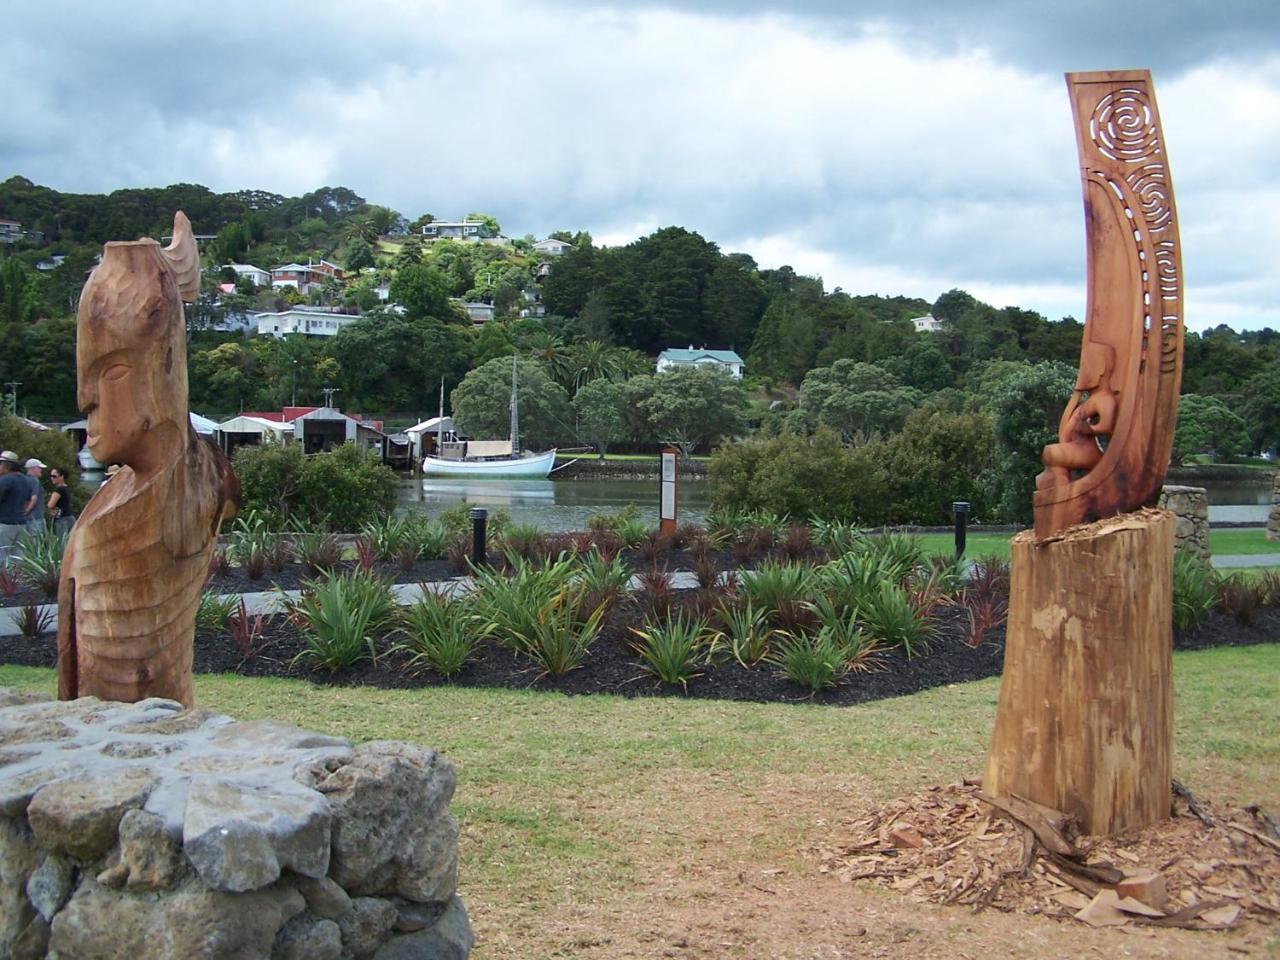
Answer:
[(670, 490)]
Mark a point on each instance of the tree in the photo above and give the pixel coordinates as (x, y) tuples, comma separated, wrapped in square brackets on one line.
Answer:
[(1261, 408), (860, 400), (689, 406), (19, 293), (599, 407), (785, 341), (495, 228), (481, 404), (1027, 405), (1206, 425), (422, 291), (393, 362), (357, 254)]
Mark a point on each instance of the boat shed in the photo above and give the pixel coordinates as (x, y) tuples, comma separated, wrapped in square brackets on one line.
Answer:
[(247, 430), (424, 435)]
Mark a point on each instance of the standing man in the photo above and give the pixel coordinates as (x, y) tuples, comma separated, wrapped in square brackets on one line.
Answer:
[(14, 494), (35, 506)]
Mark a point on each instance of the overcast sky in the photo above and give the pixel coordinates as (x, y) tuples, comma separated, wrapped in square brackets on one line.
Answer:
[(889, 147)]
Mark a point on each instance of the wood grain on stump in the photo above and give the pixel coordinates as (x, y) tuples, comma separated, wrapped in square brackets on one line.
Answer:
[(1085, 721)]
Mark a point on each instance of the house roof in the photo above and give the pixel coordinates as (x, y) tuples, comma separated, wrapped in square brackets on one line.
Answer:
[(252, 423), (428, 425), (691, 355)]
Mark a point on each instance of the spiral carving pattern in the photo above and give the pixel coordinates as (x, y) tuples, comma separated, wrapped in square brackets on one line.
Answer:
[(1150, 185), (1123, 126)]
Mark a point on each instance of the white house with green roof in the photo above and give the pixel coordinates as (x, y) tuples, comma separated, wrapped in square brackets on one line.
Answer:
[(726, 359)]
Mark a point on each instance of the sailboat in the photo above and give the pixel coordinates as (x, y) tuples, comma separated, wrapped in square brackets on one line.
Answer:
[(489, 458)]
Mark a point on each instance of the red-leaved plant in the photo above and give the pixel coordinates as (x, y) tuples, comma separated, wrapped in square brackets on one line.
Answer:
[(245, 630)]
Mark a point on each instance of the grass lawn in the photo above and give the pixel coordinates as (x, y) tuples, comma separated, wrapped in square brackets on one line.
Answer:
[(975, 544), (605, 827), (1252, 540)]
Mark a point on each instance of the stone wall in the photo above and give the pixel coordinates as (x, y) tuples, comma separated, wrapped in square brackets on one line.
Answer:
[(1273, 518), (1190, 505), (145, 831)]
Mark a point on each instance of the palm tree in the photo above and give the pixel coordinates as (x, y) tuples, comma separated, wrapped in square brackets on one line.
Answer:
[(550, 350)]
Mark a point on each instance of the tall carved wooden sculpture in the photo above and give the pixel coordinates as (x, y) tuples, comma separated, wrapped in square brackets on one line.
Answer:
[(139, 554), (1085, 722)]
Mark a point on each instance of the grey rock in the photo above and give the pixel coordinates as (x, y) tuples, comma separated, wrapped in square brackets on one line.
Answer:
[(270, 738), (19, 852), (450, 939), (324, 897), (15, 914), (366, 925), (146, 858), (33, 941), (193, 923), (412, 916), (306, 937), (239, 836), (50, 884), (79, 815), (169, 724), (387, 810), (15, 698), (20, 782)]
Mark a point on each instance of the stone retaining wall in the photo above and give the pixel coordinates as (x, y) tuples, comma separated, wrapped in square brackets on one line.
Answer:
[(1190, 506), (145, 831), (1273, 518)]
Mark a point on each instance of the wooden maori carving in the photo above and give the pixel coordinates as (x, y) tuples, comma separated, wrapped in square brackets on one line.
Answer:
[(139, 554), (1116, 433)]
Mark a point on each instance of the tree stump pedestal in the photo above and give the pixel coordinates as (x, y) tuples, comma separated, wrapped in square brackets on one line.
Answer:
[(1085, 721)]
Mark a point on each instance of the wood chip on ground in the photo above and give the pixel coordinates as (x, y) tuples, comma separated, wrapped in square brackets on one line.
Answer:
[(1216, 869)]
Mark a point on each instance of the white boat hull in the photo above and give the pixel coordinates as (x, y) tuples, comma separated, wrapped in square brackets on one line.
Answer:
[(538, 465)]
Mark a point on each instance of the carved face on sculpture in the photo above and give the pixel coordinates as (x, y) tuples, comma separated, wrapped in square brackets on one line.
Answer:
[(131, 356)]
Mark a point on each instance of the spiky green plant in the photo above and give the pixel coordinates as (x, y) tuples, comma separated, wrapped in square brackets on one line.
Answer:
[(777, 588), (672, 649), (861, 651), (744, 630), (214, 610), (40, 562), (1195, 590), (557, 637), (340, 618), (385, 535), (510, 602), (890, 618), (441, 632), (814, 661)]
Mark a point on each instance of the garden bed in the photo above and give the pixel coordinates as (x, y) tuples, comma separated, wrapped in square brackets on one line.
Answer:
[(612, 666)]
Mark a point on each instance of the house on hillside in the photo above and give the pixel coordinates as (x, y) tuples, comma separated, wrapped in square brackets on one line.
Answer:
[(303, 276), (552, 247), (727, 360), (927, 324), (260, 277), (479, 312), (10, 231), (310, 322), (474, 230)]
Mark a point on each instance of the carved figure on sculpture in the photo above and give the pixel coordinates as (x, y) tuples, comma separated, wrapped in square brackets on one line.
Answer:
[(138, 556), (1116, 433)]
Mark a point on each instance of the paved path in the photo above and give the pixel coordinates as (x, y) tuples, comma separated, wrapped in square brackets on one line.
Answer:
[(270, 601), (1246, 560)]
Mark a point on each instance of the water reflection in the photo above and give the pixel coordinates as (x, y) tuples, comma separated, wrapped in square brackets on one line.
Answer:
[(548, 504)]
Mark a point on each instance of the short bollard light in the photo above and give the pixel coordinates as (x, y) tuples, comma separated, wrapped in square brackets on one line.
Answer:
[(961, 510), (478, 517)]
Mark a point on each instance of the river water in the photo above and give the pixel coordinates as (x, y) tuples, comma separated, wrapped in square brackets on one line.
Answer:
[(568, 504)]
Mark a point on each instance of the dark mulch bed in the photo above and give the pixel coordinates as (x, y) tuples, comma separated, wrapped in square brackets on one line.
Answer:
[(613, 667)]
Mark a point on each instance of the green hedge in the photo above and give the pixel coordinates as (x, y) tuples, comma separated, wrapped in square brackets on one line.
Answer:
[(340, 490)]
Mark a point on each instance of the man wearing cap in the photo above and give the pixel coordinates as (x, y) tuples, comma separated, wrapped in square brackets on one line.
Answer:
[(35, 506), (14, 494)]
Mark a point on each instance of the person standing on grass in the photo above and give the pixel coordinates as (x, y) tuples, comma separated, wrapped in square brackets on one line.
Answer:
[(14, 494), (59, 503), (35, 505)]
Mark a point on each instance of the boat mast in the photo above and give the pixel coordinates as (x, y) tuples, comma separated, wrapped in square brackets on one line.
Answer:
[(515, 412), (440, 423)]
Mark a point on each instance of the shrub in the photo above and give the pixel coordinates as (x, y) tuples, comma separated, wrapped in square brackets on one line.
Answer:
[(604, 580), (366, 555), (386, 535), (429, 538), (556, 637), (1194, 590), (40, 563), (1241, 597), (860, 651), (245, 630), (33, 620), (814, 661), (340, 490), (441, 632), (672, 649), (777, 588), (525, 541), (339, 618), (509, 604), (657, 590), (346, 488), (318, 552), (219, 562), (889, 617), (214, 610), (632, 531), (839, 537), (744, 628), (9, 584)]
